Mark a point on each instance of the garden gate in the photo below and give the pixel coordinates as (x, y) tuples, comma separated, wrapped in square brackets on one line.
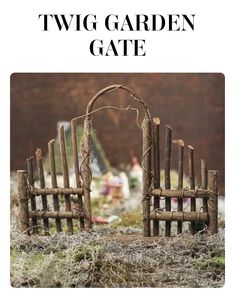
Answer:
[(152, 190)]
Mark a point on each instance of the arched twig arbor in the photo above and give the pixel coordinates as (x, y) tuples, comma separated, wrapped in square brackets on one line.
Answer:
[(207, 190), (145, 161)]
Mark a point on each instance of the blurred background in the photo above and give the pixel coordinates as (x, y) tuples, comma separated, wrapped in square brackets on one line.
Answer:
[(192, 104)]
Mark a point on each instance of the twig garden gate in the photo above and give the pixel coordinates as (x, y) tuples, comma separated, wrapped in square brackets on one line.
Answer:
[(152, 190)]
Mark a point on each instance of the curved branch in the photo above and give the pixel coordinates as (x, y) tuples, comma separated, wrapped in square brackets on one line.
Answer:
[(112, 88)]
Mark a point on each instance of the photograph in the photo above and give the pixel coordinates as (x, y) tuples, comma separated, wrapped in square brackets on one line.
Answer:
[(117, 180)]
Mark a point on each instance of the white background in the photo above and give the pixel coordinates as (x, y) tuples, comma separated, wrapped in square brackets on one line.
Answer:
[(26, 48)]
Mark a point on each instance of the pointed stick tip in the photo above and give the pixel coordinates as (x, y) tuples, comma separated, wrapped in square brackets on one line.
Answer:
[(61, 128), (179, 142), (30, 158), (203, 163), (73, 122), (51, 141), (21, 171), (38, 154), (156, 121)]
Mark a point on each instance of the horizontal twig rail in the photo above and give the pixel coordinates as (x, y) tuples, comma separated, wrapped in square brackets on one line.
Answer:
[(56, 214), (55, 191), (180, 193), (179, 216)]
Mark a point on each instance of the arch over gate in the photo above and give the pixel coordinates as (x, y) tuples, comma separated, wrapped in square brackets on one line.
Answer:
[(145, 160)]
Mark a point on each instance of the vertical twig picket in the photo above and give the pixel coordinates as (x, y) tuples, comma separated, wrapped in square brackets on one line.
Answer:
[(146, 164), (30, 172), (56, 205), (180, 180), (63, 155), (213, 201), (42, 185), (192, 183), (156, 169), (168, 140), (86, 174), (204, 178), (76, 167), (23, 201)]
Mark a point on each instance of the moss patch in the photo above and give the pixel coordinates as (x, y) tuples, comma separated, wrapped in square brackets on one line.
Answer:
[(133, 218), (215, 263)]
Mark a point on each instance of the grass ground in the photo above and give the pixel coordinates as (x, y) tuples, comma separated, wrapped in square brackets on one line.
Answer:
[(117, 257)]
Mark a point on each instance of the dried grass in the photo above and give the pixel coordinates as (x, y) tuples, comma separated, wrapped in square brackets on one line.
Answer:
[(107, 257)]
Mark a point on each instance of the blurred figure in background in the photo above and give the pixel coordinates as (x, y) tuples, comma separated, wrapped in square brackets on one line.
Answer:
[(136, 173)]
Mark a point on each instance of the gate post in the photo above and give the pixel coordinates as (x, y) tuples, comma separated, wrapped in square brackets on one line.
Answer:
[(146, 165), (86, 173), (213, 201), (23, 201)]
